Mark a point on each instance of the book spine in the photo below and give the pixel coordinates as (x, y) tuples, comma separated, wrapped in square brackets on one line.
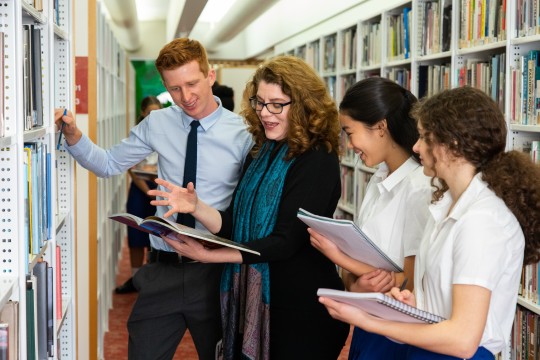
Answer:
[(4, 341)]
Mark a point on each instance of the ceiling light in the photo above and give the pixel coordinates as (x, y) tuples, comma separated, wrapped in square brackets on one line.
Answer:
[(149, 10), (215, 10)]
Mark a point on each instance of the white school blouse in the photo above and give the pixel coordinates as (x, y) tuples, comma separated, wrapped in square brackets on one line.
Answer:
[(394, 211), (479, 243)]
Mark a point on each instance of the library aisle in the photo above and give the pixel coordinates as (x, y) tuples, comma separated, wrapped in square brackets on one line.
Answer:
[(116, 339)]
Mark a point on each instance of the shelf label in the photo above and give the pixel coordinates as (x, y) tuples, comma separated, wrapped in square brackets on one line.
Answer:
[(81, 84)]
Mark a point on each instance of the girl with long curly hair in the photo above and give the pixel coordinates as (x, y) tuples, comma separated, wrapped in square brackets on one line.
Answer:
[(485, 222)]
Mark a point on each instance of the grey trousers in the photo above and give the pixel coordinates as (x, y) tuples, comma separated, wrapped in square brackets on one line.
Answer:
[(173, 298)]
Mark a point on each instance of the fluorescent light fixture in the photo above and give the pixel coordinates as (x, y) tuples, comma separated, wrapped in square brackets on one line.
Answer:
[(215, 10), (149, 10)]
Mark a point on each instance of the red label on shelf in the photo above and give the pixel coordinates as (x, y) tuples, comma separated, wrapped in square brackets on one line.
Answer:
[(81, 84)]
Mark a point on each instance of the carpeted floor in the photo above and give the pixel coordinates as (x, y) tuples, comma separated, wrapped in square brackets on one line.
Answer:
[(115, 342)]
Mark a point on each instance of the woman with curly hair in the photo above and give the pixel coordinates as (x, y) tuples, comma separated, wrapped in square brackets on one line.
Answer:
[(484, 224), (269, 302)]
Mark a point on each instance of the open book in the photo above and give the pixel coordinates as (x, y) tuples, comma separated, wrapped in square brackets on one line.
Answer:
[(158, 226), (382, 306), (350, 239), (149, 175)]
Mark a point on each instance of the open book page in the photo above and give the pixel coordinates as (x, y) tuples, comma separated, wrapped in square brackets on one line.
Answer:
[(160, 226), (349, 239), (380, 305)]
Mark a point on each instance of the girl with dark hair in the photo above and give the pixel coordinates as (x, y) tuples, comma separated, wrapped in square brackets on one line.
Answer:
[(374, 113), (484, 223)]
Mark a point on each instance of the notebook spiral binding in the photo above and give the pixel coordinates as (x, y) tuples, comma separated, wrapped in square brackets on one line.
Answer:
[(411, 311)]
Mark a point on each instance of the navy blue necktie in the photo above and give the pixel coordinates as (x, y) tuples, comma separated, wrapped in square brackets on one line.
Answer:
[(190, 169)]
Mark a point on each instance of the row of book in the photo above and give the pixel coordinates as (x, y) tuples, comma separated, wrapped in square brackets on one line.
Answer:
[(41, 284), (32, 77), (529, 285), (312, 55), (527, 17), (525, 82), (525, 336), (330, 82), (486, 75), (37, 196), (347, 81), (435, 19), (352, 190), (349, 49), (398, 35), (402, 76), (432, 79), (329, 53), (371, 47), (482, 22), (535, 152), (347, 186)]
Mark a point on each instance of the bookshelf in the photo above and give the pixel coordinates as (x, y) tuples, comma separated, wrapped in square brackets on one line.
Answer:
[(37, 180), (487, 44), (108, 116)]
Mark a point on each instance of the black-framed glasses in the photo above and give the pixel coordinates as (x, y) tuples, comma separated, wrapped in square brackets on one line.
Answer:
[(272, 107)]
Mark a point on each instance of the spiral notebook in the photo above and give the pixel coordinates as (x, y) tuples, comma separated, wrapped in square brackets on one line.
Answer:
[(380, 305), (350, 239)]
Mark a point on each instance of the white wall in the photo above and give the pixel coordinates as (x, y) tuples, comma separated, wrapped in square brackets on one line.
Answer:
[(153, 36), (237, 79)]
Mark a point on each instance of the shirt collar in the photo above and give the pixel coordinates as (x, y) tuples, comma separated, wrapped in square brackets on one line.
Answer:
[(390, 181), (439, 210), (207, 122)]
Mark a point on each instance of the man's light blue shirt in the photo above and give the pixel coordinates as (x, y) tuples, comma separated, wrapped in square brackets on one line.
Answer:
[(222, 145)]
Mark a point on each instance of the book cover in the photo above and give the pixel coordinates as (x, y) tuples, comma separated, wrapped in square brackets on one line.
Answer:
[(58, 284), (446, 26), (4, 341), (27, 98), (31, 331), (159, 226), (36, 73), (50, 311), (381, 305), (40, 271), (350, 239)]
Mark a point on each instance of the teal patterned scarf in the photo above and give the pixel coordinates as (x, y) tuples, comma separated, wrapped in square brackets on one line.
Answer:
[(245, 289)]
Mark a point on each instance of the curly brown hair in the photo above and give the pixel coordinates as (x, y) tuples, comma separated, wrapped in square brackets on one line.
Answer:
[(469, 123), (181, 51), (313, 117)]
